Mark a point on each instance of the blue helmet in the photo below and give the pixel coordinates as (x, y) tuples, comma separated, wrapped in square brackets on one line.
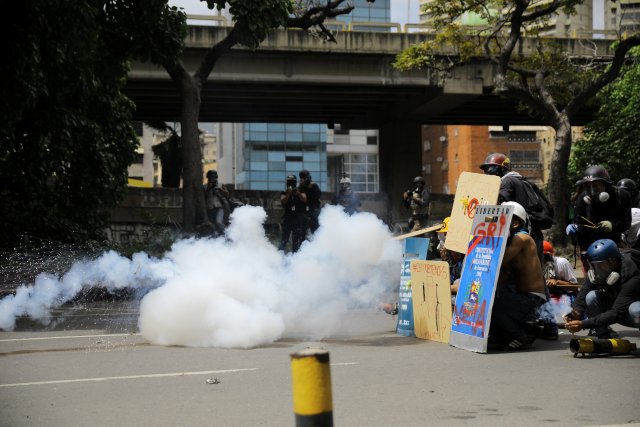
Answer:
[(603, 250)]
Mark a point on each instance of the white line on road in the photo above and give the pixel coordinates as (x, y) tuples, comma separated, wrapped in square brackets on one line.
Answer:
[(63, 337), (129, 377)]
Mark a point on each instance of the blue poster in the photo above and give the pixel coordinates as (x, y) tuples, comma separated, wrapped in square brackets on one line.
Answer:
[(414, 248), (472, 311)]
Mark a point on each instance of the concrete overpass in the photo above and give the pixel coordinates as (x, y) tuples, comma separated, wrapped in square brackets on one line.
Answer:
[(293, 77)]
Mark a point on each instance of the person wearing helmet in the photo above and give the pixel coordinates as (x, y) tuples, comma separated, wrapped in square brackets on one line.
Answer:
[(294, 204), (416, 200), (313, 193), (611, 292), (558, 272), (512, 189), (632, 188), (346, 197), (217, 203), (520, 287), (603, 211)]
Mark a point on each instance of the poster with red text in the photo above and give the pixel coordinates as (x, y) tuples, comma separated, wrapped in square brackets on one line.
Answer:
[(472, 310), (431, 294)]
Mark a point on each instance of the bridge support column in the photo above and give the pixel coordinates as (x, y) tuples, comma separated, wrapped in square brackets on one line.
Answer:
[(400, 161)]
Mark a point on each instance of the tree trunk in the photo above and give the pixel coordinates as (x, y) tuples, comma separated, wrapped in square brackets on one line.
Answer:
[(192, 193), (558, 187)]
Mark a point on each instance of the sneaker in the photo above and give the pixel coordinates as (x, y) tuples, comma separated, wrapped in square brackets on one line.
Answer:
[(516, 344)]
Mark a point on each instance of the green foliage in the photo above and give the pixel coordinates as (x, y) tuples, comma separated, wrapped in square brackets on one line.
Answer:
[(254, 18), (66, 139), (612, 139)]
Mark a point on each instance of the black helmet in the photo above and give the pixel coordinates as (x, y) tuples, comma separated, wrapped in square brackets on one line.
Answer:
[(418, 179), (628, 184), (212, 175), (596, 173), (496, 163), (292, 179), (304, 174)]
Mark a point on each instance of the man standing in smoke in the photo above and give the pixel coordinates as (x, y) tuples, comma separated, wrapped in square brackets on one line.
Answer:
[(313, 193), (217, 203), (294, 203)]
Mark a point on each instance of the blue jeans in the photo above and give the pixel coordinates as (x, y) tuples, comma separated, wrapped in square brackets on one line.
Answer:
[(599, 302)]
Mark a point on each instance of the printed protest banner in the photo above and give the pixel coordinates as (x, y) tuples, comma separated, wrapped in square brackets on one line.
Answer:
[(414, 248), (431, 295), (472, 311), (473, 190)]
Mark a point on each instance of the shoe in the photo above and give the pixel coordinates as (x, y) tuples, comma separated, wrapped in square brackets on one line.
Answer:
[(516, 344)]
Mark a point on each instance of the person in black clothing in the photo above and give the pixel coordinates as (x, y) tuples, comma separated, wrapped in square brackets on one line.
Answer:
[(611, 292), (417, 201), (602, 210), (294, 204), (511, 190), (313, 193), (217, 203), (632, 188)]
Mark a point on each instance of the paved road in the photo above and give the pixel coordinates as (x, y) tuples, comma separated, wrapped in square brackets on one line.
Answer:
[(90, 368)]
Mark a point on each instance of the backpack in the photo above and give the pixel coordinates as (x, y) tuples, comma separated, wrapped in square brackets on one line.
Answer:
[(537, 206)]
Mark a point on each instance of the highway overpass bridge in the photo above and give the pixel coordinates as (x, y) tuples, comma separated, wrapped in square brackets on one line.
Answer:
[(296, 78)]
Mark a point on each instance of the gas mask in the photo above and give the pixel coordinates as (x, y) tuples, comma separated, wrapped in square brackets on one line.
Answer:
[(602, 272), (596, 191)]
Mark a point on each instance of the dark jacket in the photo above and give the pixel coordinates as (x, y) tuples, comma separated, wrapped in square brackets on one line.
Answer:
[(623, 293), (616, 210)]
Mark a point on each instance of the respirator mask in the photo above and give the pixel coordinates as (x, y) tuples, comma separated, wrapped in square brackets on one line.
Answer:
[(602, 272), (596, 191)]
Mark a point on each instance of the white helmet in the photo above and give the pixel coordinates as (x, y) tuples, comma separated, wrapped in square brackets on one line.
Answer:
[(345, 180), (518, 211)]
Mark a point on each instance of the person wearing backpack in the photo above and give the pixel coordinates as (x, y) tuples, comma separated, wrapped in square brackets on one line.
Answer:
[(515, 188), (611, 292)]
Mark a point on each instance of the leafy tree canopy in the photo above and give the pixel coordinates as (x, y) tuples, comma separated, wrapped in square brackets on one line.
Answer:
[(612, 139), (66, 139)]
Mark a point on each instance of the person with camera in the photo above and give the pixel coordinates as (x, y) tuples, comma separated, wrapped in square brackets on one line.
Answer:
[(417, 201), (312, 192), (611, 291), (294, 203), (217, 203)]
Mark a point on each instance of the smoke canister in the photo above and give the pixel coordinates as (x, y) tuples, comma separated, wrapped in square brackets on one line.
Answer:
[(602, 346)]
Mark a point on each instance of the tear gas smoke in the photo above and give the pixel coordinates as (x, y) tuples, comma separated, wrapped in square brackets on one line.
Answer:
[(554, 310), (239, 291)]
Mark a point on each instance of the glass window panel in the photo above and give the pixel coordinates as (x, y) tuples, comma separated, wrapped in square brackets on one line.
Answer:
[(358, 168), (276, 136), (276, 186), (259, 166), (372, 188), (358, 188), (372, 158), (312, 127), (294, 166), (276, 156), (372, 168), (294, 127), (279, 177), (311, 137), (256, 126), (275, 127), (258, 136), (358, 177), (312, 166), (260, 156), (312, 157), (259, 185), (277, 166), (258, 176), (294, 136)]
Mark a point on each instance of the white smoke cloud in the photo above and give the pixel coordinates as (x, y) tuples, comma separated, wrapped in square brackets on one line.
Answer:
[(239, 291)]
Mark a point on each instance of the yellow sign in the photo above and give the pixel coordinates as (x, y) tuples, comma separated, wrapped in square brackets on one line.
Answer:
[(431, 300)]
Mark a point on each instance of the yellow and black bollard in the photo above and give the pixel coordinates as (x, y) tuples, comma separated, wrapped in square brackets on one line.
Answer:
[(311, 377), (601, 346)]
